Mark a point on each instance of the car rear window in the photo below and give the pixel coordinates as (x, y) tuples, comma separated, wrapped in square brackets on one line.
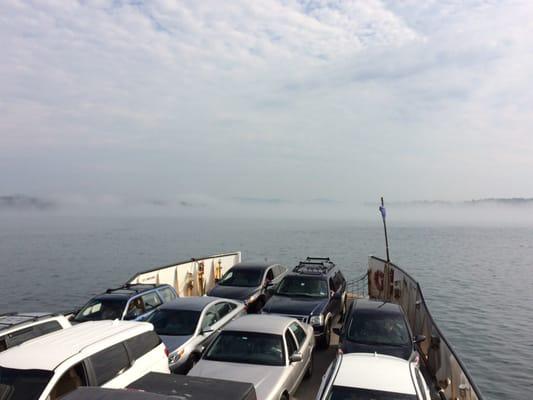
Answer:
[(241, 277), (174, 322), (348, 393), (378, 328), (248, 348), (141, 344)]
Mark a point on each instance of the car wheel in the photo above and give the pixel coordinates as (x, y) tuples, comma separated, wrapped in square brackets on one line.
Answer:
[(326, 337), (309, 371)]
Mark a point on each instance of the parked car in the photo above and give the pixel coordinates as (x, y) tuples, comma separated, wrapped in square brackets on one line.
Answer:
[(314, 293), (248, 282), (378, 327), (99, 353), (156, 386), (186, 326), (193, 387), (128, 302), (17, 328), (272, 352), (366, 376)]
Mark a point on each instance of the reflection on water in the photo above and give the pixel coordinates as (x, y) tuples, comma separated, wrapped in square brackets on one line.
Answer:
[(477, 281)]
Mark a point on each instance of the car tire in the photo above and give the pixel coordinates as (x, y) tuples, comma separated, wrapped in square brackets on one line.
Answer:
[(309, 371), (326, 337)]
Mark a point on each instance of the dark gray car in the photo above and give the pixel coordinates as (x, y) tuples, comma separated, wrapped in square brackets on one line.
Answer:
[(377, 327), (248, 282)]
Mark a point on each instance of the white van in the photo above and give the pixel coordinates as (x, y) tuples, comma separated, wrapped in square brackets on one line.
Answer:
[(110, 354), (17, 328)]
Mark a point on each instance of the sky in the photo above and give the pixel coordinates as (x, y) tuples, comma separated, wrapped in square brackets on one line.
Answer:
[(219, 105)]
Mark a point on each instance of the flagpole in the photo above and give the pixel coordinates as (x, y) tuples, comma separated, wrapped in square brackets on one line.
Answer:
[(383, 216)]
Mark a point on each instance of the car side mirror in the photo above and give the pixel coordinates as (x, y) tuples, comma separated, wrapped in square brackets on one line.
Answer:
[(296, 357), (419, 339), (337, 331), (129, 316)]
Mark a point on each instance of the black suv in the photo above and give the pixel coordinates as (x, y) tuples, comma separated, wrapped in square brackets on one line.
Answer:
[(129, 302), (315, 293)]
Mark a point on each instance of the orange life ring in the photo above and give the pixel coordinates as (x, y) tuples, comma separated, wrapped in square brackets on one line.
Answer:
[(379, 276)]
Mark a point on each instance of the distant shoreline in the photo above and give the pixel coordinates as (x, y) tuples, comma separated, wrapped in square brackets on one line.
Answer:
[(514, 201)]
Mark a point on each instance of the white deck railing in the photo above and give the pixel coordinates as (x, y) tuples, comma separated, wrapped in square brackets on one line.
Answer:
[(193, 277)]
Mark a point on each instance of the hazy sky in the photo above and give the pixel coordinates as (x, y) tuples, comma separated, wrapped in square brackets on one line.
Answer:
[(195, 102)]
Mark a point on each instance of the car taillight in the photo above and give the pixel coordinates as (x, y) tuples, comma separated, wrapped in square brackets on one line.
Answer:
[(166, 351)]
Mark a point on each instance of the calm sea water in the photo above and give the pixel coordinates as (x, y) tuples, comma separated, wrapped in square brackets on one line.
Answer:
[(478, 281)]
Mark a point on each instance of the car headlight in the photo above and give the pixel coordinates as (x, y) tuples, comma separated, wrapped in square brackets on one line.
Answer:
[(316, 320), (175, 356)]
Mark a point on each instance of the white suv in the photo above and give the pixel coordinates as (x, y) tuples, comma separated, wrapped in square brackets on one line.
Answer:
[(101, 353), (17, 328), (375, 376)]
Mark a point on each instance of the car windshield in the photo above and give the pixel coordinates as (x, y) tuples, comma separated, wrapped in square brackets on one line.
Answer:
[(174, 322), (303, 286), (377, 328), (242, 277), (247, 347), (18, 384), (347, 393), (98, 309)]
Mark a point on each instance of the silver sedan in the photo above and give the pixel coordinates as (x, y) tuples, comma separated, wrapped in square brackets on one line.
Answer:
[(187, 325), (274, 353)]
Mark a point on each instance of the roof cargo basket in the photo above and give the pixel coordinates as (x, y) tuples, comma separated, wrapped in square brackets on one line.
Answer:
[(134, 287), (315, 265)]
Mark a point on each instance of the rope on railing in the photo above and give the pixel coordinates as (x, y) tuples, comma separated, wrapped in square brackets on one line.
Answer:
[(358, 285)]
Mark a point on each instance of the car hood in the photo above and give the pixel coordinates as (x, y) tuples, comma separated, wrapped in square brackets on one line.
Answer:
[(404, 351), (173, 342), (265, 378), (294, 305), (232, 292)]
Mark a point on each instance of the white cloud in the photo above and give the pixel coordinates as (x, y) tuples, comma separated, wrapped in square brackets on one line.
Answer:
[(270, 98)]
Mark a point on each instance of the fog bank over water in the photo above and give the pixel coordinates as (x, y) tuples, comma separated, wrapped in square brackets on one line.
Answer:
[(490, 212)]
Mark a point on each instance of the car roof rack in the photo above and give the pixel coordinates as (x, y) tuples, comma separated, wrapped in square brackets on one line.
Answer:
[(134, 287), (315, 265), (11, 319)]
